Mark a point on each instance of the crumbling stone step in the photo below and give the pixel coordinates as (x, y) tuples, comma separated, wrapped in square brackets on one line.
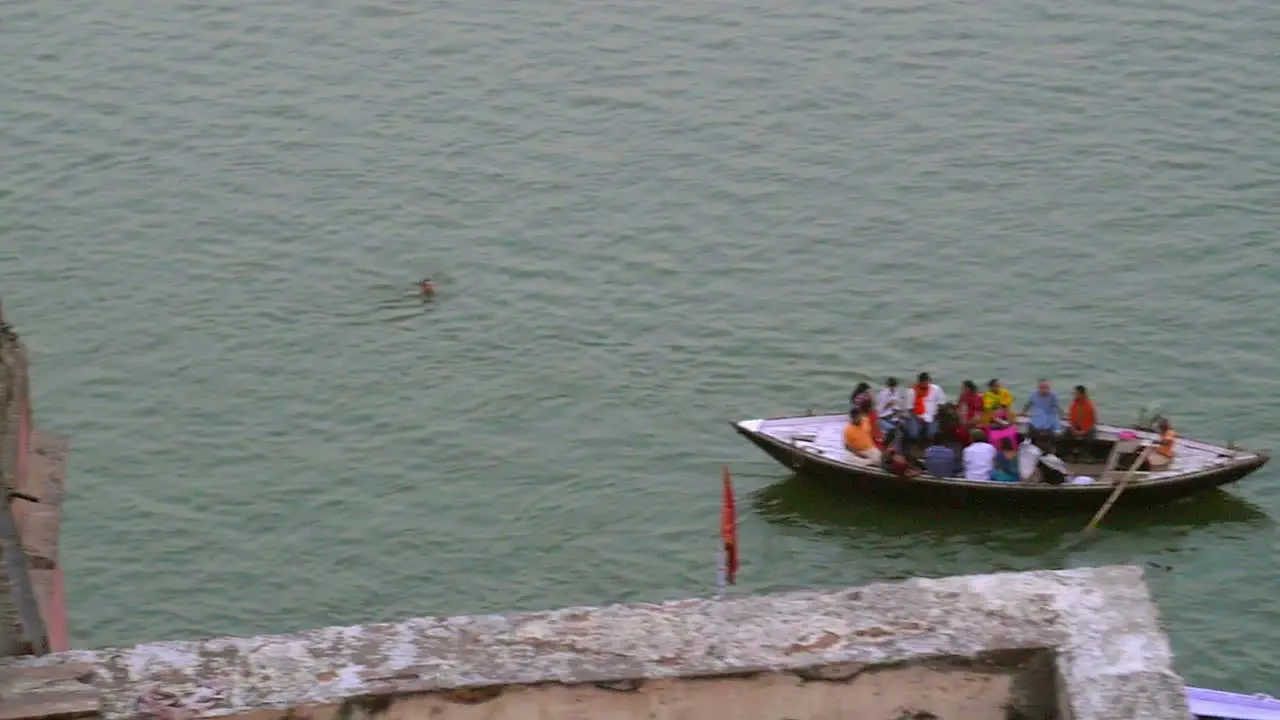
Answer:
[(58, 691)]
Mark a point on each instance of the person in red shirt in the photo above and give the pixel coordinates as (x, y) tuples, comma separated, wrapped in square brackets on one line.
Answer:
[(898, 464), (1082, 422), (961, 435), (969, 405), (950, 430), (1083, 417)]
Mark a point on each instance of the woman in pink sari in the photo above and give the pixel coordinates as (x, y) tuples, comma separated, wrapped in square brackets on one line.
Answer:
[(1002, 428)]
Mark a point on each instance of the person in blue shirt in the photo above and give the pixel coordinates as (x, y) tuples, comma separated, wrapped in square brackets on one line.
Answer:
[(940, 460), (1044, 414)]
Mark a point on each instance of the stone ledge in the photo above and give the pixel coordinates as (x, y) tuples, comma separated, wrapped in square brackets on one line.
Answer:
[(1097, 626), (59, 691)]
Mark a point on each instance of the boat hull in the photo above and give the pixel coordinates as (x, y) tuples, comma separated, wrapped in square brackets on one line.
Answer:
[(1208, 704), (935, 491)]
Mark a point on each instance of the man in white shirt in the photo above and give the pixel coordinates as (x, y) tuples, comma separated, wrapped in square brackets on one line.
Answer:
[(979, 457), (890, 401), (924, 398)]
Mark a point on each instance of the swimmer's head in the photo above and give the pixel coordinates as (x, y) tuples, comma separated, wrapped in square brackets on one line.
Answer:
[(426, 286)]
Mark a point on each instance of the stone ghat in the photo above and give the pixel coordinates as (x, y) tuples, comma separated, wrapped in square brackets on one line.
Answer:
[(1069, 645)]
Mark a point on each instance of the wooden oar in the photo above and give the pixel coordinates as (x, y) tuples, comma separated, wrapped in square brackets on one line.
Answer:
[(1115, 495)]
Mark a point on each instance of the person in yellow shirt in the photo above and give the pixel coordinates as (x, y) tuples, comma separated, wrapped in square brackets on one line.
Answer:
[(996, 397), (858, 438)]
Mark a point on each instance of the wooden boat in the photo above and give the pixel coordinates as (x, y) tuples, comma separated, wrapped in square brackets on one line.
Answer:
[(813, 445), (1219, 705)]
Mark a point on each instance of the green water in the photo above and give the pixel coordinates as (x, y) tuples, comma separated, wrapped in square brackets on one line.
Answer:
[(646, 219)]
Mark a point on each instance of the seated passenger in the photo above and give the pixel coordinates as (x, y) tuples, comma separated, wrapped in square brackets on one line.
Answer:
[(889, 402), (1006, 464), (950, 430), (897, 463), (858, 439), (1044, 414), (893, 436), (1001, 429), (1082, 415), (925, 398), (1162, 456), (861, 389), (979, 457), (969, 405), (866, 406), (940, 460), (994, 399)]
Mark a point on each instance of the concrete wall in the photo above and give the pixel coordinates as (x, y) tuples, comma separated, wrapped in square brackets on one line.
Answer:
[(1072, 645)]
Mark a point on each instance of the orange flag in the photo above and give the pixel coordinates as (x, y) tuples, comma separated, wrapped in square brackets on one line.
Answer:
[(729, 529)]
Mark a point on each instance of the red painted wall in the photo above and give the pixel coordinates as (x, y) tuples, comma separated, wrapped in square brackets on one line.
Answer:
[(53, 607)]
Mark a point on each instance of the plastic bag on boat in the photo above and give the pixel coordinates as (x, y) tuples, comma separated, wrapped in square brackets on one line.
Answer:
[(1029, 457)]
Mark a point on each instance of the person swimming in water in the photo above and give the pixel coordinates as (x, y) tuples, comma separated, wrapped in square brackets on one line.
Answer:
[(426, 288)]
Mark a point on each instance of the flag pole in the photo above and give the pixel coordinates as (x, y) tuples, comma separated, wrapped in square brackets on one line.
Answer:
[(727, 562), (720, 570)]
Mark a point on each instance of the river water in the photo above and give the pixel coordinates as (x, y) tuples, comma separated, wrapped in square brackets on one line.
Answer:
[(646, 219)]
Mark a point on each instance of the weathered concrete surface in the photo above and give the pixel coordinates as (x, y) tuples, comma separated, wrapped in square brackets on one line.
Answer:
[(57, 691), (891, 694), (1093, 633)]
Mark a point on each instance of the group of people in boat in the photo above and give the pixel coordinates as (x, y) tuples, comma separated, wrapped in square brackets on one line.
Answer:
[(976, 437)]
